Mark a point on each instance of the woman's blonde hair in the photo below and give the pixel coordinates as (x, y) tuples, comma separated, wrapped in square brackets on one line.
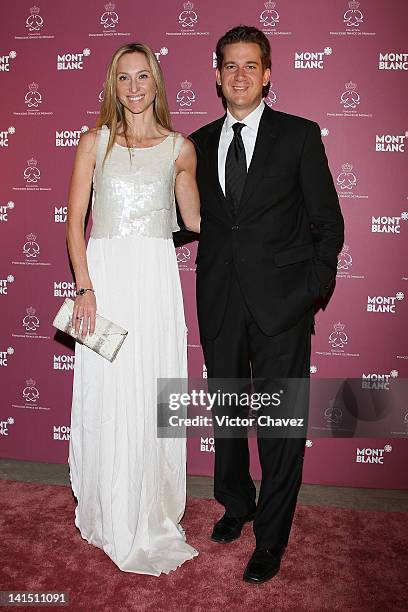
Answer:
[(112, 112)]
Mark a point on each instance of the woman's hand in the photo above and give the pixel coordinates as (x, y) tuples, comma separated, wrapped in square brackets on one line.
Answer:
[(84, 314)]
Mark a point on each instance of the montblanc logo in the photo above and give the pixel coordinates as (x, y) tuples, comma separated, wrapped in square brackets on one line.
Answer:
[(207, 445), (345, 260), (64, 289), (188, 16), (311, 60), (63, 362), (313, 369), (375, 380), (5, 210), (384, 303), (5, 356), (353, 17), (4, 426), (338, 338), (4, 284), (346, 179), (60, 214), (69, 138), (72, 61), (33, 98), (372, 455), (324, 132), (393, 61), (350, 98), (32, 173), (5, 61), (185, 96), (5, 134), (388, 225), (109, 18), (34, 22), (61, 432), (391, 143), (269, 17)]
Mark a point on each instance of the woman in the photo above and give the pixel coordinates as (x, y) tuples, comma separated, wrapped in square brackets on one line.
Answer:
[(129, 484)]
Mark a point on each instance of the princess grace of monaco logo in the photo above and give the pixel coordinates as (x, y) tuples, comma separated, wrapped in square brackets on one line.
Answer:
[(188, 17), (109, 18), (390, 143), (388, 225), (4, 425), (384, 303), (350, 98), (5, 356), (311, 60), (345, 260), (31, 248), (378, 381), (30, 392), (5, 134), (32, 173), (4, 211), (69, 138), (346, 179), (338, 338), (31, 322), (372, 455), (34, 22), (5, 61), (271, 98), (269, 17), (353, 17), (4, 282), (72, 61), (393, 61), (33, 98), (186, 96)]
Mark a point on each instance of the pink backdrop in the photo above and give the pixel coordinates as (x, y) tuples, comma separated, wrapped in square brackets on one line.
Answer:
[(342, 64)]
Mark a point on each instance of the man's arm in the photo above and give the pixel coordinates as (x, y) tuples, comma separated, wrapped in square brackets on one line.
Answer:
[(323, 207)]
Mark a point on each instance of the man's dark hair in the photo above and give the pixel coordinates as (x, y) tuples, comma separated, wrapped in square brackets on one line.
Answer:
[(246, 34)]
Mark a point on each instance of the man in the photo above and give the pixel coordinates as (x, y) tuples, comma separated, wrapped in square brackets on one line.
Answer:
[(271, 229)]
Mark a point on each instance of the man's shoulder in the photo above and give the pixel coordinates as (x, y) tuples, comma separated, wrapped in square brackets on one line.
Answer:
[(294, 122), (205, 131)]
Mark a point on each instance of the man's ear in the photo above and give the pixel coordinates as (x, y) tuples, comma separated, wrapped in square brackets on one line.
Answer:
[(218, 77), (266, 76)]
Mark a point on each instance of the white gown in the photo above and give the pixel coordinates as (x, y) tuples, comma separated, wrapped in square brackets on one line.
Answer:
[(129, 484)]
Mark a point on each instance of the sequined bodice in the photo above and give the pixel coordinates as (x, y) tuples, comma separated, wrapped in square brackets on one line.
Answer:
[(134, 194)]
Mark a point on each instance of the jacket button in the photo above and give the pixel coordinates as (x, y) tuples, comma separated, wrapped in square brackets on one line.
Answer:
[(235, 228), (228, 261)]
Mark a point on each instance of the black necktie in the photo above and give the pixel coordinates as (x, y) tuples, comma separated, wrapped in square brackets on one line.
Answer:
[(235, 167)]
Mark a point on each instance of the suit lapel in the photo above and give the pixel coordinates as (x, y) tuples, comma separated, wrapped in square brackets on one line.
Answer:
[(267, 132), (213, 142)]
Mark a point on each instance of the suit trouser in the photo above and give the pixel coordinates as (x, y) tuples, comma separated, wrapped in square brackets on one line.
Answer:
[(239, 350)]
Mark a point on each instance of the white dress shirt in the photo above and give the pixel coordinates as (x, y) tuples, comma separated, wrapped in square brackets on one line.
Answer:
[(248, 133)]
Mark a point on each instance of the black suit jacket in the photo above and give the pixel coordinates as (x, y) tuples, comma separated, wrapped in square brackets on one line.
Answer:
[(287, 232)]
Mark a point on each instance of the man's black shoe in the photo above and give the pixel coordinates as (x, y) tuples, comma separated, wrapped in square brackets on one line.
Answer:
[(262, 566), (228, 528)]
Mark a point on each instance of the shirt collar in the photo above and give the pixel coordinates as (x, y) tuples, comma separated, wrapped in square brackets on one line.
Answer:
[(252, 120)]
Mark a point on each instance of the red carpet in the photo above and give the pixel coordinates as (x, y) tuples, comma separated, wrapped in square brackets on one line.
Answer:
[(336, 560)]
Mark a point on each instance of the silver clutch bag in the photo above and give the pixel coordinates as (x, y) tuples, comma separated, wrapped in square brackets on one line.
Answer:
[(106, 339)]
